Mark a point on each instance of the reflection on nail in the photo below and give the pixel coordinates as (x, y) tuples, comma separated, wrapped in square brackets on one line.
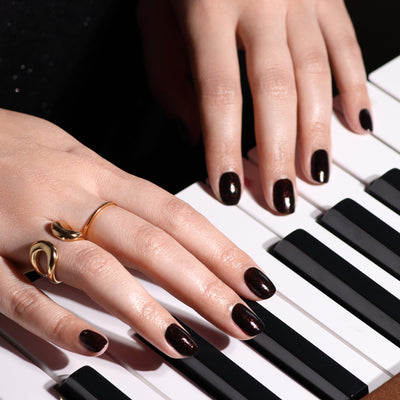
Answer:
[(229, 188), (320, 166), (246, 320), (284, 196), (92, 340), (180, 340), (258, 283), (365, 120)]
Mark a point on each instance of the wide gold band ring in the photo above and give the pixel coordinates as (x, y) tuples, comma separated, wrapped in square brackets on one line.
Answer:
[(50, 251), (64, 232)]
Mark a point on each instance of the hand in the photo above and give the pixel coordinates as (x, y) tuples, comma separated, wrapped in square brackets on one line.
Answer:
[(288, 45), (46, 176)]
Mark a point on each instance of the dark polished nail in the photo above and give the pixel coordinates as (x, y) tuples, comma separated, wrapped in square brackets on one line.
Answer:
[(365, 120), (246, 320), (180, 340), (320, 166), (92, 340), (229, 188), (284, 196), (258, 283)]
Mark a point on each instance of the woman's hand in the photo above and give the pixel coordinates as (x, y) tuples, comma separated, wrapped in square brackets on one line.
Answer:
[(46, 176), (290, 46)]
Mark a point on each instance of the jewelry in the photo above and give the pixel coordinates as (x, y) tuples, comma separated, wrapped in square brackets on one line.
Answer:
[(51, 253), (64, 232)]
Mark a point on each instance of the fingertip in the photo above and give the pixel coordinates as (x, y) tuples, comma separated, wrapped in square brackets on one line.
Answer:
[(320, 166), (284, 199), (93, 343), (230, 188), (365, 120)]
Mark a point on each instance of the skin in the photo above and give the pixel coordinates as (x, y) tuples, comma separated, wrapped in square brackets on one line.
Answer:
[(46, 176), (291, 46)]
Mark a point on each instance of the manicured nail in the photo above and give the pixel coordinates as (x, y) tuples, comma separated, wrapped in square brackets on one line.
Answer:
[(365, 120), (284, 196), (246, 320), (92, 340), (229, 188), (320, 166), (258, 283), (180, 340)]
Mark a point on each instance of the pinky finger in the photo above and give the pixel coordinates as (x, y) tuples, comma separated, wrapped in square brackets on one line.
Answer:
[(347, 64), (25, 304)]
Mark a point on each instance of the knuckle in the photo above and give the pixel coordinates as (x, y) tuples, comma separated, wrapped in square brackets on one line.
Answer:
[(152, 241), (93, 263), (61, 325), (220, 91), (214, 290), (314, 62), (319, 127), (180, 214), (275, 83), (22, 301), (229, 255)]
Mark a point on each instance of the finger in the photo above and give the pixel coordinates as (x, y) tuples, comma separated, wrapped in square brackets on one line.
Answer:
[(193, 231), (313, 82), (347, 64), (21, 301), (88, 267), (210, 33), (167, 65), (156, 254), (271, 78)]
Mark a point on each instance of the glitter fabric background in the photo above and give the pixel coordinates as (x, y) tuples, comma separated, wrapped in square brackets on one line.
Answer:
[(78, 64)]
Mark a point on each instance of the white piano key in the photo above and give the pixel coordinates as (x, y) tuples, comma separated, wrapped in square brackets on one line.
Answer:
[(387, 77), (143, 364), (253, 238), (342, 184), (386, 117), (61, 363), (305, 217), (257, 366), (154, 370)]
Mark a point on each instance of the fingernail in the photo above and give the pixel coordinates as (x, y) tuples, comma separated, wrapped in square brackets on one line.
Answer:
[(320, 166), (284, 196), (92, 340), (365, 120), (258, 283), (246, 320), (180, 340), (229, 188)]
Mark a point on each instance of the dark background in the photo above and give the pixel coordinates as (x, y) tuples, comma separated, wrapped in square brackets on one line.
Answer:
[(79, 65)]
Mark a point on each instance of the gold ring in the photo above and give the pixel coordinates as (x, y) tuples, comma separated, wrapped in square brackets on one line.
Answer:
[(64, 232), (51, 253)]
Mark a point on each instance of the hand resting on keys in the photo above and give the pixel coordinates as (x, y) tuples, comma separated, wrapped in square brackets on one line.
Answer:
[(47, 176), (291, 47)]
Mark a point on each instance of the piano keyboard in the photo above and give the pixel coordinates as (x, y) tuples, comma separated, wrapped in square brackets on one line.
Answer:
[(369, 351)]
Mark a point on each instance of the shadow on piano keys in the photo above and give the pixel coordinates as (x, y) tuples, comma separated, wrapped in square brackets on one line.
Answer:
[(370, 351)]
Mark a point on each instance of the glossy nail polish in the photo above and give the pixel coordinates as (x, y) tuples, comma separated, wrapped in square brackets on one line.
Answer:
[(258, 283), (229, 188), (320, 166), (180, 340), (246, 320), (365, 120), (92, 340), (284, 196)]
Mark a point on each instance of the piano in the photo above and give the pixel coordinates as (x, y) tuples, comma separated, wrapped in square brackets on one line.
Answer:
[(334, 323)]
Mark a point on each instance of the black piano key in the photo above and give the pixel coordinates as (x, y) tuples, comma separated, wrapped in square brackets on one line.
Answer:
[(87, 384), (303, 361), (342, 282), (387, 189), (366, 233), (216, 374)]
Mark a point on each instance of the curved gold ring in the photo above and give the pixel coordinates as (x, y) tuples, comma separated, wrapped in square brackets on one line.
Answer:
[(94, 215), (64, 232), (51, 253)]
